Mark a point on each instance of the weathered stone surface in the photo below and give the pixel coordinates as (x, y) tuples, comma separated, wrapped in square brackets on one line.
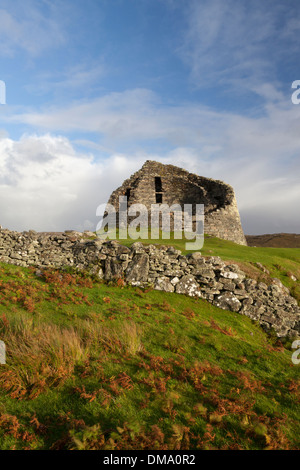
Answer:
[(137, 247), (188, 285), (229, 275), (262, 286), (113, 269), (227, 284), (196, 256), (279, 284), (204, 272), (228, 301), (138, 268), (250, 284), (163, 283)]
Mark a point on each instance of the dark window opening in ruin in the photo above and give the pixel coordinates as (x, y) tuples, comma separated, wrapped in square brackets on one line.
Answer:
[(158, 190), (158, 185), (127, 194), (122, 204), (158, 198)]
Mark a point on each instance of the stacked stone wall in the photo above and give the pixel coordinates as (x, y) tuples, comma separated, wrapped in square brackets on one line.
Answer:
[(164, 268)]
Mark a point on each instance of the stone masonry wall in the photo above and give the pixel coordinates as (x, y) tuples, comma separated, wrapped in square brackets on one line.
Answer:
[(178, 186), (164, 268)]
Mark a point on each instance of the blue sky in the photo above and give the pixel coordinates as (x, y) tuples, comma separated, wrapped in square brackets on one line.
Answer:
[(96, 87)]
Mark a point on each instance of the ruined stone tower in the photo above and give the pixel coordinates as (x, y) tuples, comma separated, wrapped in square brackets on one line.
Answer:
[(156, 183)]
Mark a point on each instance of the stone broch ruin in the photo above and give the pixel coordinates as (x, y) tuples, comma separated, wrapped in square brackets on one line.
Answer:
[(156, 183)]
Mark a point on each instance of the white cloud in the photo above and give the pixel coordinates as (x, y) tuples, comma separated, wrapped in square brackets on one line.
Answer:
[(28, 27), (118, 116), (41, 181), (46, 185)]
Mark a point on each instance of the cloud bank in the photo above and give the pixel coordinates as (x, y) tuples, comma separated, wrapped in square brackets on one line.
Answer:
[(48, 184)]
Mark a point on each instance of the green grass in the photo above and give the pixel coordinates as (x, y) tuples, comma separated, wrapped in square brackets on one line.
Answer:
[(92, 365)]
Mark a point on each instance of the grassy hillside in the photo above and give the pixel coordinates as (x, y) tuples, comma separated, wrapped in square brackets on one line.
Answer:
[(92, 365)]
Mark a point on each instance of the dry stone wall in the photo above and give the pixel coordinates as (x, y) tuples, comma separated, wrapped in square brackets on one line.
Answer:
[(162, 267)]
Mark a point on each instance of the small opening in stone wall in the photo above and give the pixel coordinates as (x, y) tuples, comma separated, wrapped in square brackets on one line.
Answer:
[(158, 198), (158, 190), (158, 185), (127, 194), (123, 205)]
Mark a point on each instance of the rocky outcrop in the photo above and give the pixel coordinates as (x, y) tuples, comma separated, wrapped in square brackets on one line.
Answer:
[(164, 268)]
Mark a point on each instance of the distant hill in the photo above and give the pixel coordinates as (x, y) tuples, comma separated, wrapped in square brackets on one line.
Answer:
[(277, 240)]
